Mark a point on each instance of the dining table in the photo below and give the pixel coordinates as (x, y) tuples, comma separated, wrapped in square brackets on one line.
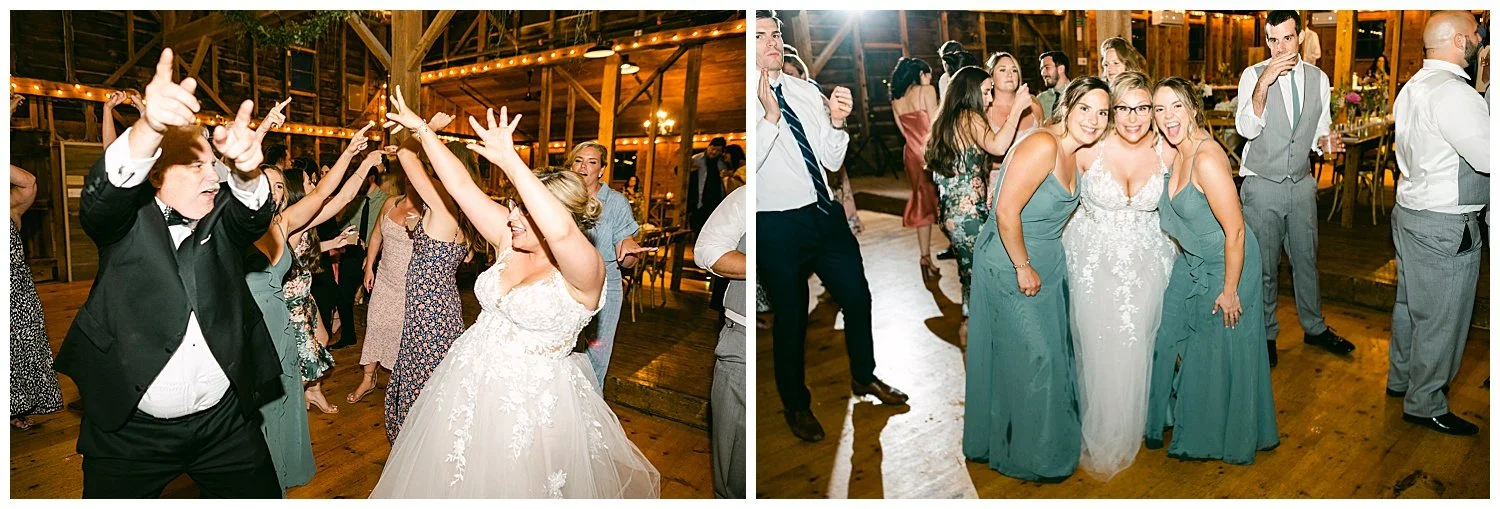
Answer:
[(1357, 140)]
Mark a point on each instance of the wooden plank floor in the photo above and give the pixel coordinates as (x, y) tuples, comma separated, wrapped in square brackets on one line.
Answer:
[(1340, 435), (350, 446)]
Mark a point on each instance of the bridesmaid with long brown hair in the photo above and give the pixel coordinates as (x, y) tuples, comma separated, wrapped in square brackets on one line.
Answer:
[(914, 102)]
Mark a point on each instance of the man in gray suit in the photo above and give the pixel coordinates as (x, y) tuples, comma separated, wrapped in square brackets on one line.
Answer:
[(1443, 151), (721, 250), (1285, 117)]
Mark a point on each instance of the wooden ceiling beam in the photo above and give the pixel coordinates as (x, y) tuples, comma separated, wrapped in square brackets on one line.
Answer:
[(655, 75), (371, 42), (833, 45), (424, 44), (573, 84)]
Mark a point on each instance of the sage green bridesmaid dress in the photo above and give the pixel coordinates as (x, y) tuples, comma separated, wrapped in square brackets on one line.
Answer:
[(285, 418), (1210, 383), (1021, 409)]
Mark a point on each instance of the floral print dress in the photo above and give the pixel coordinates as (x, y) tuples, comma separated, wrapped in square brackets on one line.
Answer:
[(963, 207)]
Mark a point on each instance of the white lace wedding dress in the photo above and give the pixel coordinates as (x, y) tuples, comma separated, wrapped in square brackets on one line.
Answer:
[(512, 412), (1119, 261)]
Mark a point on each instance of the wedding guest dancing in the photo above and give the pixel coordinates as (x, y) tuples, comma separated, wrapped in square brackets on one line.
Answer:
[(958, 154), (285, 421), (33, 384), (512, 411), (390, 246), (721, 250), (441, 240), (803, 230), (1285, 117), (1020, 406), (1208, 379), (164, 397), (914, 102), (1443, 151), (614, 237), (1118, 263)]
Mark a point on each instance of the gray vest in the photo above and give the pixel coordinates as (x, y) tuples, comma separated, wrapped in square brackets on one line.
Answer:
[(733, 349), (1280, 152)]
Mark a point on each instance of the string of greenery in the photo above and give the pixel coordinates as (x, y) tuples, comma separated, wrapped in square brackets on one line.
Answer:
[(289, 32)]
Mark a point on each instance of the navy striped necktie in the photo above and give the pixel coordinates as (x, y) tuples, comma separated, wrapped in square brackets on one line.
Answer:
[(825, 204)]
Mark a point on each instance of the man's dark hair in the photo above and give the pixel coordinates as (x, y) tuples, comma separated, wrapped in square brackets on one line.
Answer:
[(950, 47), (718, 141), (275, 153), (1059, 58), (766, 13), (1278, 17)]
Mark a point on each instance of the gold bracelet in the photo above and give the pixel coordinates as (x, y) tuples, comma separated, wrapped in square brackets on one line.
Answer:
[(1023, 265)]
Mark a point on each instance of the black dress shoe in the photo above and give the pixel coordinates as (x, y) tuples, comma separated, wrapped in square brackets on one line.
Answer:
[(1446, 423), (1329, 341), (885, 393), (1271, 352), (947, 254), (804, 425), (1401, 394), (341, 344)]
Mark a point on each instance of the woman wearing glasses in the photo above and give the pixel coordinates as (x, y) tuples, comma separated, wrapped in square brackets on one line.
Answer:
[(1119, 261)]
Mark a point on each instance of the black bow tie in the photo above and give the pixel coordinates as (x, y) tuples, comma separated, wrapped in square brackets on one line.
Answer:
[(174, 219)]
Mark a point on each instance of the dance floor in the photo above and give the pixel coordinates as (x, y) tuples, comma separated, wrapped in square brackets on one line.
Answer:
[(1341, 436), (350, 446)]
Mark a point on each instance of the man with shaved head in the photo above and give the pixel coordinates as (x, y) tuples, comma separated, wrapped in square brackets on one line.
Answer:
[(170, 349), (1442, 150)]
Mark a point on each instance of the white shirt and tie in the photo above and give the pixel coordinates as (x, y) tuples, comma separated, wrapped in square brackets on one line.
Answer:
[(192, 380), (1291, 85), (782, 179), (720, 235), (1439, 120)]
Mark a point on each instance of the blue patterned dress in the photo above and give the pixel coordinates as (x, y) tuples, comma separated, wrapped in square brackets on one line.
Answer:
[(434, 318)]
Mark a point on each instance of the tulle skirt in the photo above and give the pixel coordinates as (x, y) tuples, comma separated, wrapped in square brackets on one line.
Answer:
[(494, 424)]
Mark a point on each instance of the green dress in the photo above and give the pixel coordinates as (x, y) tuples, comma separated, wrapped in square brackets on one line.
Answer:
[(285, 418), (963, 208), (1021, 410), (1211, 383)]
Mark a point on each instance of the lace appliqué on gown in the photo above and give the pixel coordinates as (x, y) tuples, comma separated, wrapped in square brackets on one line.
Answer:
[(1119, 260), (512, 412)]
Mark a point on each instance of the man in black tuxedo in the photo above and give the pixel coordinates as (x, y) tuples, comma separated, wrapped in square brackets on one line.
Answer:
[(170, 349)]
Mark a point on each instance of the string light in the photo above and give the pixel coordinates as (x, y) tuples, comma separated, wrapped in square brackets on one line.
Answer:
[(573, 52)]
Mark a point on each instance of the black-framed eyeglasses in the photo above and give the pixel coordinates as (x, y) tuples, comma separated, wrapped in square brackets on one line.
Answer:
[(1137, 110)]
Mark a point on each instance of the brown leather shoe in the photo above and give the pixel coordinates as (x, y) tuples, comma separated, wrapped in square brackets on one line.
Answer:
[(804, 425), (885, 393)]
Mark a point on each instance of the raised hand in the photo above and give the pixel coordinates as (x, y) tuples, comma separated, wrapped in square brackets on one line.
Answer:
[(167, 102), (237, 142), (499, 143), (273, 119), (402, 116), (114, 99), (768, 98), (1023, 100), (359, 141), (16, 100), (439, 121), (840, 105)]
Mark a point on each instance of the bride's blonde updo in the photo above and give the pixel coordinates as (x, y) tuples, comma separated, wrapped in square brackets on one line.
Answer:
[(569, 189)]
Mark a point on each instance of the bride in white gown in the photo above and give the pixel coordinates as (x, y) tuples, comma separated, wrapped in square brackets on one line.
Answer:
[(1119, 261), (512, 412)]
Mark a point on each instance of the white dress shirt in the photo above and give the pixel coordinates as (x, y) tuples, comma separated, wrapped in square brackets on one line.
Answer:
[(781, 178), (1312, 48), (942, 85), (1439, 119), (721, 235), (1250, 125), (192, 380)]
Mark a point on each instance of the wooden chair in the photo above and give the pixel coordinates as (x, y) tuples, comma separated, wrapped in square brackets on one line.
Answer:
[(633, 278)]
